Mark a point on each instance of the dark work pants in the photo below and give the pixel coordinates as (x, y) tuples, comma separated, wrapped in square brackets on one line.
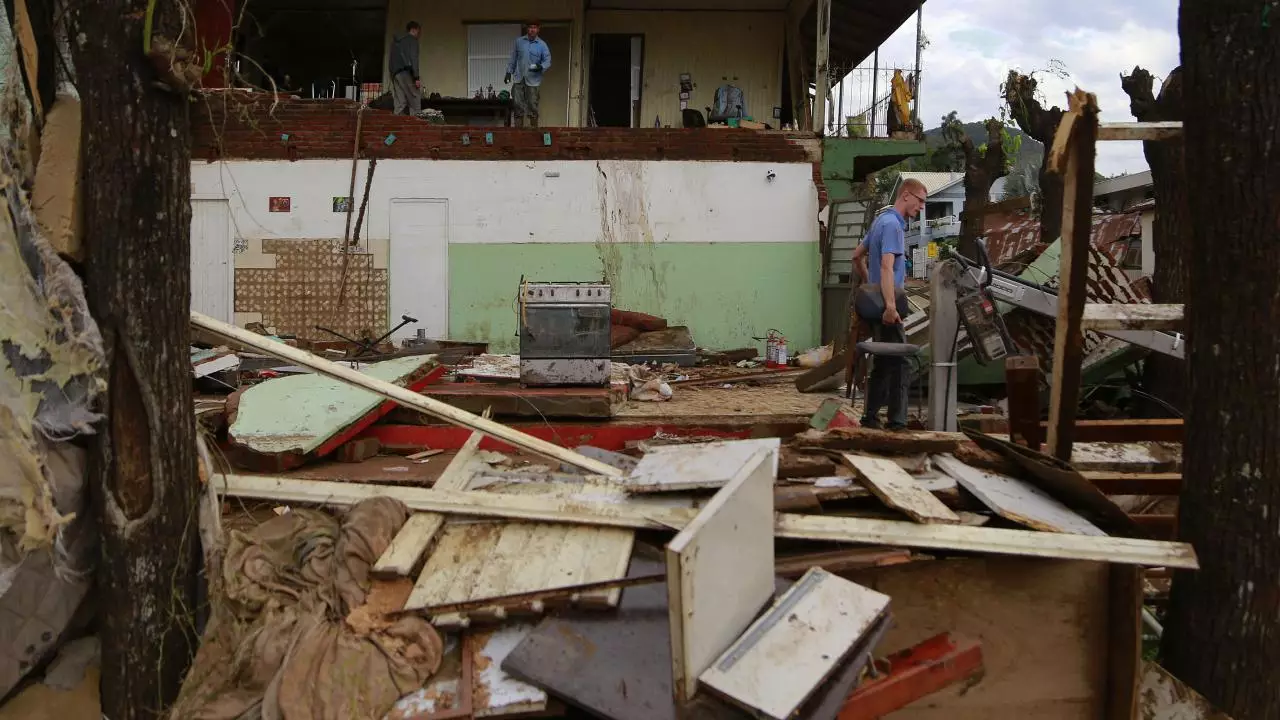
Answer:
[(889, 381)]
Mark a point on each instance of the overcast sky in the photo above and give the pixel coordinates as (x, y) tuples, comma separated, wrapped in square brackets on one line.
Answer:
[(974, 43)]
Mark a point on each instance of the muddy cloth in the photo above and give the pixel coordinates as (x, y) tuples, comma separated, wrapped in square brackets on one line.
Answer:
[(278, 646)]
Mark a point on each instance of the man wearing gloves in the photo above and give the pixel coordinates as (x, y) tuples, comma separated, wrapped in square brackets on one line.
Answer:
[(530, 58), (406, 84)]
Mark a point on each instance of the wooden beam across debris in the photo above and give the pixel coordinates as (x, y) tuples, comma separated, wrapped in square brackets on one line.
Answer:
[(862, 531), (409, 399), (1139, 316), (1168, 130)]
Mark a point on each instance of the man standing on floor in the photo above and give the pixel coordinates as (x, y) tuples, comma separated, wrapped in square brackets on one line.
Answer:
[(406, 84), (885, 250), (530, 58)]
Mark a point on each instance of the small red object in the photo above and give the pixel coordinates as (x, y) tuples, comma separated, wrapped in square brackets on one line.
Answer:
[(912, 674)]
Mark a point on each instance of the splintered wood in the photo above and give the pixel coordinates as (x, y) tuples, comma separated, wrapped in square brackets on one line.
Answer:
[(889, 482)]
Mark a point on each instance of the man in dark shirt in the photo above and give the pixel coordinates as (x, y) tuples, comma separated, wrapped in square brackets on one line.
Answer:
[(406, 83)]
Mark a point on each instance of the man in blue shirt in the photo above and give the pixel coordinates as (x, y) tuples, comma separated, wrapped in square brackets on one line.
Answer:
[(530, 58), (882, 258)]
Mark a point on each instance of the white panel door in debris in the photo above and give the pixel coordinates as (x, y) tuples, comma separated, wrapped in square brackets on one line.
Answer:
[(211, 263), (419, 262)]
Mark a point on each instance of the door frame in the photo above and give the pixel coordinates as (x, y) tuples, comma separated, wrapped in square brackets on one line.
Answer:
[(393, 318), (591, 61), (231, 246)]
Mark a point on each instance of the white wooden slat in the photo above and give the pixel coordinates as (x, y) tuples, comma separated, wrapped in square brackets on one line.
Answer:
[(720, 572), (1137, 316), (696, 466), (895, 488), (813, 626)]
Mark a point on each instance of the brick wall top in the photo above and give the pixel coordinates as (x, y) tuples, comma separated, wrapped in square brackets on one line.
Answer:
[(249, 126)]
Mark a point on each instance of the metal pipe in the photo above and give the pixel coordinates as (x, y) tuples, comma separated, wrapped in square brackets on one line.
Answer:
[(919, 31), (875, 92)]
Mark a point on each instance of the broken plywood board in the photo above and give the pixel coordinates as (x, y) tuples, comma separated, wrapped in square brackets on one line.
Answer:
[(487, 561), (495, 693), (448, 694), (673, 468), (1127, 457), (1016, 500), (895, 488), (720, 571), (405, 552), (813, 626), (1161, 696), (1043, 625), (297, 414)]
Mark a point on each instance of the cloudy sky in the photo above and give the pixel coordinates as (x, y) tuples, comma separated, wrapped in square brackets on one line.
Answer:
[(974, 43)]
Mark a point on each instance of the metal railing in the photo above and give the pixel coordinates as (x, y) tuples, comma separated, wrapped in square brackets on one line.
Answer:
[(859, 104)]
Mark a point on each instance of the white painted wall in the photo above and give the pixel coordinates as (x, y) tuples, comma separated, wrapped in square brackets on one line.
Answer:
[(570, 201)]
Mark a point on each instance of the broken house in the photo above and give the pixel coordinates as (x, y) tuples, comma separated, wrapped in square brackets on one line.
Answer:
[(309, 211)]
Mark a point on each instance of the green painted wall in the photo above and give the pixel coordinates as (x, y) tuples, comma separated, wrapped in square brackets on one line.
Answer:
[(725, 292), (846, 162)]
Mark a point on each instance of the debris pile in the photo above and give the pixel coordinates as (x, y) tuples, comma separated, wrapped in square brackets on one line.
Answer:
[(652, 579)]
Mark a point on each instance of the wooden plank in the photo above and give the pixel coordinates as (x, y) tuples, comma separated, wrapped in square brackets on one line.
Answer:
[(400, 395), (995, 541), (455, 566), (404, 555), (1022, 379), (1015, 500), (720, 572), (463, 609), (26, 38), (895, 488), (799, 527), (1167, 130), (1124, 483), (676, 468), (1127, 457), (480, 504), (1124, 640), (1135, 316), (1073, 155), (1127, 430), (813, 626), (604, 562), (1043, 626)]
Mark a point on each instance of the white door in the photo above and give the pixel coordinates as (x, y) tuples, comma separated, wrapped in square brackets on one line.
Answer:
[(211, 263), (419, 261)]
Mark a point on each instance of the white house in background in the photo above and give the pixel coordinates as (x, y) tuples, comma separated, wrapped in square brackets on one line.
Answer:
[(1134, 192)]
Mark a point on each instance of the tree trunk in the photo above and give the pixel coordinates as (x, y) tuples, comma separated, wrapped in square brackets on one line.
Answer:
[(137, 211), (1163, 376), (1222, 635), (981, 168), (1034, 120)]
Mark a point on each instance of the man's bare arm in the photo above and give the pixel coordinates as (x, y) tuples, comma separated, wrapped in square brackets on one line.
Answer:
[(887, 290), (860, 262)]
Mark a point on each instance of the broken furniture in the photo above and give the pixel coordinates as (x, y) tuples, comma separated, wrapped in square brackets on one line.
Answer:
[(366, 346), (564, 333)]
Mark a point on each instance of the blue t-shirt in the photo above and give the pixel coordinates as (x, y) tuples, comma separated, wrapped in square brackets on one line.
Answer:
[(887, 236)]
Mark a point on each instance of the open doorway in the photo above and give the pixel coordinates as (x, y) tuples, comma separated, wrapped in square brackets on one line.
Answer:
[(614, 92)]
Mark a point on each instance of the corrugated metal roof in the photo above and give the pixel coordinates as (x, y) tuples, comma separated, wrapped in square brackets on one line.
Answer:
[(933, 181)]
